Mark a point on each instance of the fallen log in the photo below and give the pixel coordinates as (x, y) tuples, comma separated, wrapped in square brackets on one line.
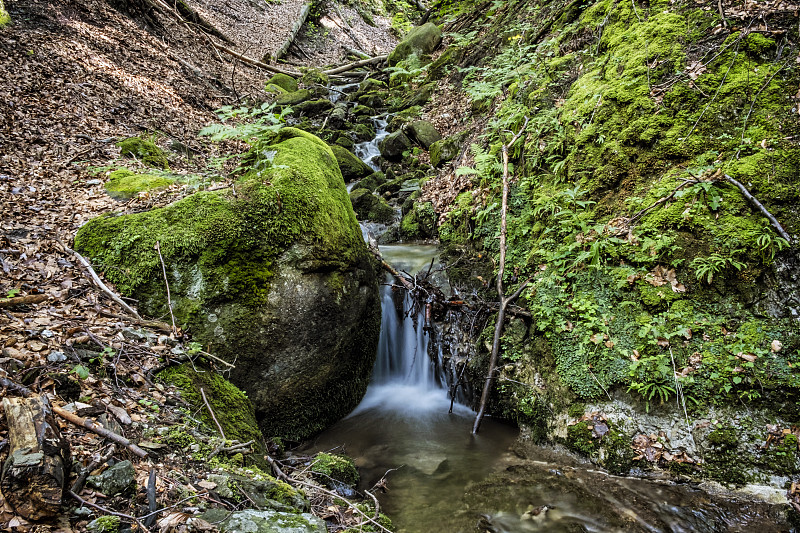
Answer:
[(22, 300), (38, 460)]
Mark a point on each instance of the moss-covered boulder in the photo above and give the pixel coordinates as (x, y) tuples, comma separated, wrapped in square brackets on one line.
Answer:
[(275, 276), (351, 166), (123, 184), (446, 149), (393, 145), (313, 107), (372, 182), (419, 223), (335, 469), (370, 207), (294, 97), (145, 150), (253, 521), (421, 40), (287, 83), (424, 133)]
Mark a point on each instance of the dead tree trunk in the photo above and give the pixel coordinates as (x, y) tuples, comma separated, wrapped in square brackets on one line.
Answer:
[(501, 293), (33, 475)]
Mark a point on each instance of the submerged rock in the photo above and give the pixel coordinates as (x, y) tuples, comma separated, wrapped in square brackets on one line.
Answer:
[(275, 276)]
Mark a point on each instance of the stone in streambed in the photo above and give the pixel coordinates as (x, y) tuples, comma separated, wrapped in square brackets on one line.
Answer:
[(351, 166), (367, 206), (393, 145), (312, 107)]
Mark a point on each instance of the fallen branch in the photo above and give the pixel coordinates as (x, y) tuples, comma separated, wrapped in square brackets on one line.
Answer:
[(97, 281), (752, 199), (155, 324), (504, 301), (23, 300), (100, 430), (298, 23), (77, 487), (357, 64), (254, 62)]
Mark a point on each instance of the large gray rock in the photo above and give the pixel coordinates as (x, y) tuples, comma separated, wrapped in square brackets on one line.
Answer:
[(393, 145), (275, 276), (252, 521), (421, 40)]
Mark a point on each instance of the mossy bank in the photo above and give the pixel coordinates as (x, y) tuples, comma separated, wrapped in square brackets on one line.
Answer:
[(272, 275)]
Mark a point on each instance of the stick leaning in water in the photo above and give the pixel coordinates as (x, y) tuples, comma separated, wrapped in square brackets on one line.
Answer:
[(501, 293)]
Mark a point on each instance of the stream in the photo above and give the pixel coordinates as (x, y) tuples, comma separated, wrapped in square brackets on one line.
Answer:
[(441, 478)]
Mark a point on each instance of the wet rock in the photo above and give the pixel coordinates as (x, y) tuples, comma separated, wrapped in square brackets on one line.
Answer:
[(351, 166), (287, 83), (345, 142), (337, 118), (115, 479), (371, 207), (421, 40), (252, 521), (424, 133), (363, 111), (364, 132), (313, 107), (393, 146), (373, 100), (294, 97), (372, 182), (419, 223)]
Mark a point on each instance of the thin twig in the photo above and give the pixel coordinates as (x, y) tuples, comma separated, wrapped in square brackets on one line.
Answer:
[(213, 416), (166, 282), (97, 281)]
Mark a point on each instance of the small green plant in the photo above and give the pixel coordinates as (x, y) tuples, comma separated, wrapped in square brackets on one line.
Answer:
[(12, 293), (81, 371), (707, 267)]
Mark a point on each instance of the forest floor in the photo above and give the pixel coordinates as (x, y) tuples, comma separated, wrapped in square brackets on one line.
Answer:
[(78, 76)]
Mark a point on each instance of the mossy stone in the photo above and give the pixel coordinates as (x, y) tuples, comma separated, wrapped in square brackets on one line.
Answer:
[(423, 132), (312, 107), (393, 145), (371, 207), (345, 142), (5, 18), (294, 97), (236, 262), (446, 149), (104, 524), (123, 184), (372, 181), (285, 82), (144, 150), (351, 166), (419, 223), (336, 468), (421, 40), (373, 99)]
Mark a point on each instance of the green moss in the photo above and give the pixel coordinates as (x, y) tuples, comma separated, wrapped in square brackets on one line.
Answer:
[(576, 410), (579, 439), (287, 83), (231, 407), (123, 184), (5, 18), (338, 468), (782, 458), (104, 524), (144, 150), (419, 222), (723, 438)]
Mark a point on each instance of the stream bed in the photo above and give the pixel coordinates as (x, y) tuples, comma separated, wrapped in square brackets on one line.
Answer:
[(441, 478)]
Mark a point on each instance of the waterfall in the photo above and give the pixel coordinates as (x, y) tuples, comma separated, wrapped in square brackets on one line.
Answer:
[(405, 377)]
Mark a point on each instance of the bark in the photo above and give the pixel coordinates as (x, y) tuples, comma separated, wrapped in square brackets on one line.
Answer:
[(38, 459)]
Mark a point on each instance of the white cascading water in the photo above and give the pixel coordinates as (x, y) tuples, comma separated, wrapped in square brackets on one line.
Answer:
[(368, 151)]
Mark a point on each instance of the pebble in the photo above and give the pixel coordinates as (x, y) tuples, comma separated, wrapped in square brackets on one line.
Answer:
[(56, 357), (94, 182)]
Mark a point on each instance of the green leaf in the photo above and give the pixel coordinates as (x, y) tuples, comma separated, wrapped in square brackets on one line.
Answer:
[(81, 371), (12, 293)]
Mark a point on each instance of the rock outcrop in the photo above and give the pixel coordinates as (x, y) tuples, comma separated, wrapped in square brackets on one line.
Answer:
[(274, 277)]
